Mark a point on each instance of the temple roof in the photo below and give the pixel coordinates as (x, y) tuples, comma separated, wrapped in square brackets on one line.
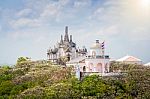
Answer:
[(129, 59)]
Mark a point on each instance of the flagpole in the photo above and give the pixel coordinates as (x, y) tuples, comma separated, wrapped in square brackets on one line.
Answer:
[(103, 52)]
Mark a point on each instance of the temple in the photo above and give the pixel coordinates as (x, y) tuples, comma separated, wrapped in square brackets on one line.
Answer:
[(95, 62), (65, 49)]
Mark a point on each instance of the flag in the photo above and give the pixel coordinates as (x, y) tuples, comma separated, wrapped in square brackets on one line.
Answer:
[(103, 45)]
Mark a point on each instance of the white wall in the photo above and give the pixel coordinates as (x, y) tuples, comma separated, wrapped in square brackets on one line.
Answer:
[(95, 63)]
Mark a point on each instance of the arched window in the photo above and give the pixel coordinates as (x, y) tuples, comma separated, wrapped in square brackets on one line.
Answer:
[(91, 67), (93, 53), (99, 68), (106, 68), (84, 68)]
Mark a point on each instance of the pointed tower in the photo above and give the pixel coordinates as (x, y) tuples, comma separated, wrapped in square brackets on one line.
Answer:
[(61, 40), (70, 38), (66, 38)]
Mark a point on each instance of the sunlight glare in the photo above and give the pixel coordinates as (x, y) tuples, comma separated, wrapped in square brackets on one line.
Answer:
[(144, 3)]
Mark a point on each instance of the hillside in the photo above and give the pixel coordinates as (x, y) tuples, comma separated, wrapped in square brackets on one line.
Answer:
[(42, 79)]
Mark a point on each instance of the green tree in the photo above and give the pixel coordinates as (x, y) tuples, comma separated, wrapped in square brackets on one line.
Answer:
[(22, 59), (138, 81), (5, 88), (93, 86)]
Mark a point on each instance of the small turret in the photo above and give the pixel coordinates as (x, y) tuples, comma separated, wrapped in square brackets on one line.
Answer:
[(61, 41)]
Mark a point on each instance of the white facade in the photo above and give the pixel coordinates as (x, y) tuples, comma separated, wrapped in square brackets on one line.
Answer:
[(97, 65), (95, 62)]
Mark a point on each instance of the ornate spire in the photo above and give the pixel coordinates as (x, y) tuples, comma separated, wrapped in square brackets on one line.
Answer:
[(61, 39), (70, 38), (66, 38)]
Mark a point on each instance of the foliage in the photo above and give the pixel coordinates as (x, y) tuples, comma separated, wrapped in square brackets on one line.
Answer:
[(62, 60), (122, 67), (22, 60), (42, 79)]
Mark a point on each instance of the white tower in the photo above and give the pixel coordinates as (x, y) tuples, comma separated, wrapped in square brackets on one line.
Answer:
[(97, 61), (96, 49)]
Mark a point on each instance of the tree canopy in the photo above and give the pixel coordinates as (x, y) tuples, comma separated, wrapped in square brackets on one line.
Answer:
[(43, 79)]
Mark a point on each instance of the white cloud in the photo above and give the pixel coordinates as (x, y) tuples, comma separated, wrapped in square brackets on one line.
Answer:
[(131, 24), (51, 10), (24, 22), (82, 3), (106, 16), (63, 2), (25, 12), (35, 16)]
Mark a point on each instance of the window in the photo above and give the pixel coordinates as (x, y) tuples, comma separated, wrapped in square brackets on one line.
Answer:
[(84, 68), (93, 53)]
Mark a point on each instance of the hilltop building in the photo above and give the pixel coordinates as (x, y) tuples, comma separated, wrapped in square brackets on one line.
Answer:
[(65, 48), (130, 60), (95, 62)]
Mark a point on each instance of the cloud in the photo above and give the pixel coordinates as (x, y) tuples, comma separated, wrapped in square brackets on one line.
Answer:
[(25, 12), (20, 35), (51, 10), (112, 17), (40, 23), (63, 2), (106, 14), (131, 24), (109, 31), (34, 16), (27, 34), (25, 22), (82, 3)]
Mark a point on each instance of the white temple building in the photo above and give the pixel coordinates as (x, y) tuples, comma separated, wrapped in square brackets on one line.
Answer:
[(130, 60), (95, 62)]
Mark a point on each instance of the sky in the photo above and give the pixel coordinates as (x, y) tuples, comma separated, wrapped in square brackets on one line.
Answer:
[(29, 27)]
